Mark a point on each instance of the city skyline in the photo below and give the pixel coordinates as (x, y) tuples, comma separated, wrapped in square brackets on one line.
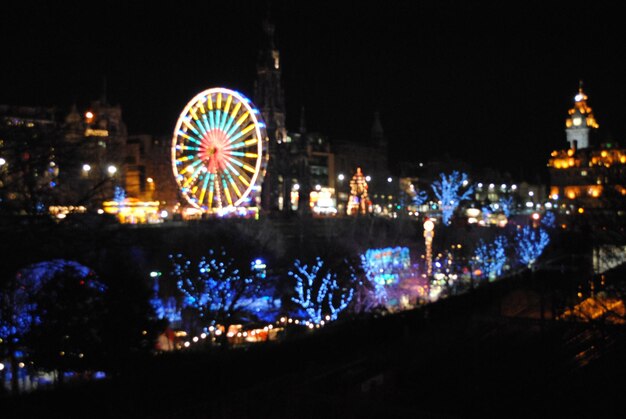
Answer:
[(479, 83)]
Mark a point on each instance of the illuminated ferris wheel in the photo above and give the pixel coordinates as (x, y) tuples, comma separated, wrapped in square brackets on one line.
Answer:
[(219, 150)]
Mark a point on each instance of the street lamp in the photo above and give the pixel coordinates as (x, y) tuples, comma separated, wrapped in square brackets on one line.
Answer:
[(429, 233)]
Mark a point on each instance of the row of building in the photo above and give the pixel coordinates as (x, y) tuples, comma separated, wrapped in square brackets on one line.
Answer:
[(84, 160)]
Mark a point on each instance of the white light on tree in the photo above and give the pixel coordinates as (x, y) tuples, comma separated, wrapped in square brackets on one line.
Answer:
[(341, 176), (2, 161), (86, 167), (111, 169), (389, 179), (448, 191), (368, 178)]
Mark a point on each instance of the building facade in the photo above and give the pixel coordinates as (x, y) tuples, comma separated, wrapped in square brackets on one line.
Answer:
[(589, 174)]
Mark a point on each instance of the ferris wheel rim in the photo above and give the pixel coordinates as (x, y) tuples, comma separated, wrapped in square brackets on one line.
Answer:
[(251, 113)]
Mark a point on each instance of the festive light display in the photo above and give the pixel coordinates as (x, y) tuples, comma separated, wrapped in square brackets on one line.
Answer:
[(384, 268), (119, 195), (213, 288), (164, 308), (420, 198), (219, 150), (359, 202), (530, 244), (17, 297), (548, 220), (490, 258), (506, 205), (486, 213), (318, 292), (448, 190)]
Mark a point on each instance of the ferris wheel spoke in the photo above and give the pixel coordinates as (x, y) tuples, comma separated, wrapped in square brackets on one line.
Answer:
[(206, 123), (191, 180), (206, 179), (244, 154), (198, 123), (191, 127), (200, 105), (183, 147), (211, 191), (223, 117), (229, 101), (190, 138), (238, 123), (241, 133), (191, 168), (240, 144), (243, 178), (243, 165), (212, 115), (231, 119), (225, 190), (233, 181)]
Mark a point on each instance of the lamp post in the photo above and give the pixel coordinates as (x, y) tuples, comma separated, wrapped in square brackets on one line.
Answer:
[(429, 233)]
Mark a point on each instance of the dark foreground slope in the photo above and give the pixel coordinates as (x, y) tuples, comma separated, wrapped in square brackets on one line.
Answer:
[(458, 358)]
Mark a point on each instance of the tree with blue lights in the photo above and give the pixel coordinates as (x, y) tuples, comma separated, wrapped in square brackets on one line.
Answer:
[(448, 191), (548, 220), (318, 291), (486, 212), (530, 243), (119, 195), (17, 312), (507, 205), (20, 304), (377, 291), (420, 198), (490, 258), (69, 331), (215, 289)]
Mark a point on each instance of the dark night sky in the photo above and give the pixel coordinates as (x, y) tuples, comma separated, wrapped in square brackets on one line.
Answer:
[(489, 83)]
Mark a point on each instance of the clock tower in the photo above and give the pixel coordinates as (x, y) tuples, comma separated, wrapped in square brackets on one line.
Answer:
[(580, 121)]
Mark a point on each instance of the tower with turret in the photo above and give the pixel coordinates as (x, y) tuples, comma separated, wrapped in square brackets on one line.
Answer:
[(269, 97), (580, 122)]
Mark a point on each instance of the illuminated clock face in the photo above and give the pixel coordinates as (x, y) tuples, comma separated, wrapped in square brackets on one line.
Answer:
[(577, 121)]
